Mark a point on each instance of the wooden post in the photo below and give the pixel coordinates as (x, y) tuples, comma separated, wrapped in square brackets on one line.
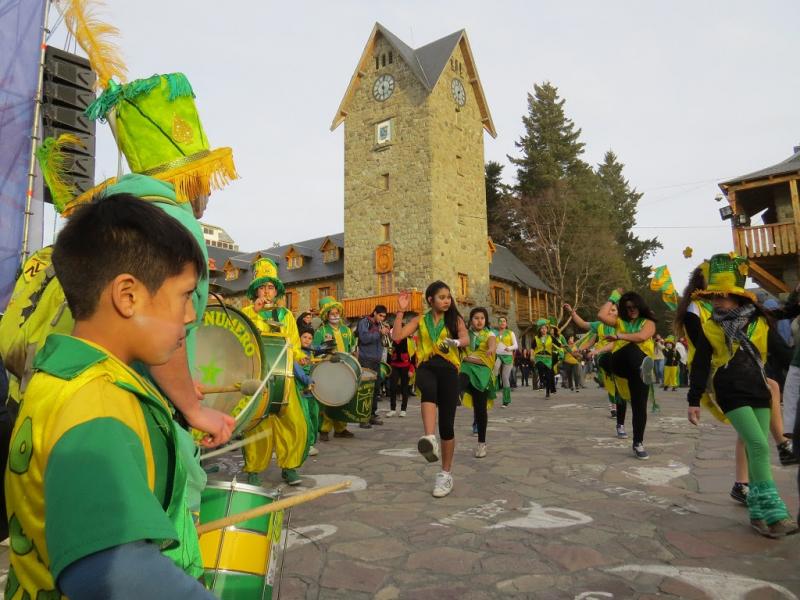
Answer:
[(734, 230), (795, 208)]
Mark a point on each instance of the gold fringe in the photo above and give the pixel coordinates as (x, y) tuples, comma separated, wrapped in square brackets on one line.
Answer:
[(732, 292), (86, 196), (93, 36), (212, 172)]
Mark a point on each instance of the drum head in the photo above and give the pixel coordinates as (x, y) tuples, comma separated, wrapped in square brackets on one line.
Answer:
[(228, 352), (335, 383)]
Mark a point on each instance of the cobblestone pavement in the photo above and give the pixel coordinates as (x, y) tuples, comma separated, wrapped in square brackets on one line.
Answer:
[(558, 509)]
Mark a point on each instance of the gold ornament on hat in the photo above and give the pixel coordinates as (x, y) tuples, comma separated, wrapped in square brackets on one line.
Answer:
[(687, 252)]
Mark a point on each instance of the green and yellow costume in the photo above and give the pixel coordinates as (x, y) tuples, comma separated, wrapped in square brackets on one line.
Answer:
[(92, 465), (480, 376), (647, 347), (345, 342), (432, 342)]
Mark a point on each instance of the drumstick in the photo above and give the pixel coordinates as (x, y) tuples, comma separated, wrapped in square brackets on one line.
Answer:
[(236, 445), (270, 508), (246, 387)]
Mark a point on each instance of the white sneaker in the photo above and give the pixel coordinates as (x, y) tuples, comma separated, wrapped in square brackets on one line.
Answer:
[(402, 413), (313, 451), (390, 413), (428, 447), (443, 484), (480, 451)]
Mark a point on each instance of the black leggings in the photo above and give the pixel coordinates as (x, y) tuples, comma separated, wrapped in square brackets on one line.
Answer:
[(437, 381), (479, 402), (546, 377), (626, 362), (399, 375)]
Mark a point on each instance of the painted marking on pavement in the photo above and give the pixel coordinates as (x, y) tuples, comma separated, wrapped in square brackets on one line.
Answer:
[(593, 595), (301, 536), (484, 512), (550, 517), (570, 406), (718, 585), (399, 452), (522, 420), (658, 475)]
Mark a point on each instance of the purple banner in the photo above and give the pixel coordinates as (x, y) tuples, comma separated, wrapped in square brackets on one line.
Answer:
[(20, 37)]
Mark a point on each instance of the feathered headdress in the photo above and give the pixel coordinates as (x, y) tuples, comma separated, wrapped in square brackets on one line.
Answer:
[(54, 164)]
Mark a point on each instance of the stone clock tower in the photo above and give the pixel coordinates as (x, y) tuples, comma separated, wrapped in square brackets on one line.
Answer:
[(414, 192)]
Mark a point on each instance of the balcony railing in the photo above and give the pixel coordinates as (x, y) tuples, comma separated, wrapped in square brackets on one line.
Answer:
[(361, 307), (777, 239)]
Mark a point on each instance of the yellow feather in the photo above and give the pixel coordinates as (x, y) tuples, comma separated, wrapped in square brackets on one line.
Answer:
[(93, 36)]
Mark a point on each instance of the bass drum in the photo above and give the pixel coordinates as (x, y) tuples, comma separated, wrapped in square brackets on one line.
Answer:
[(229, 351), (335, 379), (240, 561), (359, 408)]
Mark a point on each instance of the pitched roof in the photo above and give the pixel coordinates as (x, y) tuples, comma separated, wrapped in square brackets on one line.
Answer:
[(785, 167), (426, 62), (506, 266)]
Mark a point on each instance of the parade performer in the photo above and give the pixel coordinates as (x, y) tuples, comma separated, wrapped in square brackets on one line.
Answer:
[(504, 364), (635, 325), (543, 357), (289, 428), (671, 360), (332, 329), (442, 332), (730, 354), (92, 481), (597, 340), (476, 375), (302, 378), (400, 361)]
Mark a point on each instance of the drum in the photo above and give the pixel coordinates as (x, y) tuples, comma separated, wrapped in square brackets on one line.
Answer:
[(240, 561), (386, 370), (229, 351), (359, 407), (282, 373), (335, 380)]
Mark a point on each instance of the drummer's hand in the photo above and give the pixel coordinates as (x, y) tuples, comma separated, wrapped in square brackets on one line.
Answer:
[(217, 425), (694, 415), (303, 361), (403, 301)]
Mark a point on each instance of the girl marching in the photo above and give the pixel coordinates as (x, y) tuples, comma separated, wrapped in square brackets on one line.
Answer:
[(442, 332), (477, 379)]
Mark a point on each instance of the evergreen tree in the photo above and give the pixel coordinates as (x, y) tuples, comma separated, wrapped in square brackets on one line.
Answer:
[(550, 148), (498, 213), (622, 201)]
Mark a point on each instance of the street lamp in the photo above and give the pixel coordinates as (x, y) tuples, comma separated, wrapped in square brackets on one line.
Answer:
[(726, 212)]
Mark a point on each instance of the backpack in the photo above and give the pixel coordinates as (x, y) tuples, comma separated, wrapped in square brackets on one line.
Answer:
[(37, 308)]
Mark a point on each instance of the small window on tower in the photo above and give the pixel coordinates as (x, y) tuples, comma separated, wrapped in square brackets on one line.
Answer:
[(390, 58), (459, 165), (385, 181), (383, 60), (386, 232), (383, 132), (463, 285), (377, 63)]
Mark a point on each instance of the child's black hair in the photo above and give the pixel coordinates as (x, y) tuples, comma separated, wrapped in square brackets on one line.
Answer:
[(451, 315), (120, 234), (480, 309)]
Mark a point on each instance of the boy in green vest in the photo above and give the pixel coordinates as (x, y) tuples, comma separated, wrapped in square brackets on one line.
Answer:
[(95, 489)]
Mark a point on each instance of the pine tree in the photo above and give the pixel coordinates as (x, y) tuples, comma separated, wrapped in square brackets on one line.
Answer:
[(622, 201), (497, 210), (550, 147)]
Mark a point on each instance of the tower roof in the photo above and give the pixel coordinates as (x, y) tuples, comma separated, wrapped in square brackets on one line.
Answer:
[(785, 167), (426, 62)]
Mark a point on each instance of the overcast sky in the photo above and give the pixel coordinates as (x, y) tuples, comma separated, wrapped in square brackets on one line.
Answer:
[(687, 94)]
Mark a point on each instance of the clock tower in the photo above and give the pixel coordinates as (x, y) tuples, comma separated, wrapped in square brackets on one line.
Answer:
[(414, 192)]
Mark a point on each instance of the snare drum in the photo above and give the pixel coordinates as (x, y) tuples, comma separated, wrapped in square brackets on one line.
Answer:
[(240, 561), (359, 408), (335, 380), (229, 351), (282, 373)]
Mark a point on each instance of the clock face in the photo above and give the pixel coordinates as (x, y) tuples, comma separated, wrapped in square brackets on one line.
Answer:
[(383, 88), (459, 93)]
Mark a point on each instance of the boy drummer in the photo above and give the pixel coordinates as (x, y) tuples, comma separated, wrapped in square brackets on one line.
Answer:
[(92, 482)]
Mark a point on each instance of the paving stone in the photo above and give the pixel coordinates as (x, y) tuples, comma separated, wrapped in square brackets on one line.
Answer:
[(692, 546), (372, 549), (350, 575), (452, 561), (526, 584), (575, 558)]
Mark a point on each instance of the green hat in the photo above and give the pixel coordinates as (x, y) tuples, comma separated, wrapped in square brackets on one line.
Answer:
[(726, 275), (264, 271), (552, 321), (326, 304), (541, 323), (157, 127)]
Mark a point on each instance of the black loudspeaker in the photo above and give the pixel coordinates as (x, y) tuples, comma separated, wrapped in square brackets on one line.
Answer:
[(67, 92)]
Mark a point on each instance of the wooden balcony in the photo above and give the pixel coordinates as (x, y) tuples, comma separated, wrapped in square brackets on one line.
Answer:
[(777, 239), (361, 307)]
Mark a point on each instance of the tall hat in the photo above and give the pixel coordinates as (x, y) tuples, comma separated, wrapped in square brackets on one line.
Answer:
[(726, 275), (326, 304), (264, 271), (541, 323), (154, 120)]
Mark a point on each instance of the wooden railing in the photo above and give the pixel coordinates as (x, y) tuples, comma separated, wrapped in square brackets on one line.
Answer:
[(766, 240), (361, 307)]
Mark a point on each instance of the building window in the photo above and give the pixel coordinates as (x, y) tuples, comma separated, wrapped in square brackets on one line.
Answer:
[(331, 255), (500, 297), (386, 283), (288, 300), (386, 232), (459, 165), (383, 60), (463, 285), (324, 291), (383, 132), (377, 63), (294, 262), (390, 57), (385, 181)]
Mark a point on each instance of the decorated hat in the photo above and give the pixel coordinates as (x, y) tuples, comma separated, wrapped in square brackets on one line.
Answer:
[(154, 121), (670, 339), (326, 304), (264, 271), (726, 275), (541, 323), (552, 321)]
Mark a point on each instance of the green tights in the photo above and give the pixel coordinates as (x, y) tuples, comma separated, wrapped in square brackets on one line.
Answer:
[(763, 501)]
